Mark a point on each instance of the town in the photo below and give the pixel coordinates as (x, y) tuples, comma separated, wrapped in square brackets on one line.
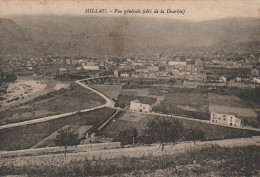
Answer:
[(130, 94), (219, 68)]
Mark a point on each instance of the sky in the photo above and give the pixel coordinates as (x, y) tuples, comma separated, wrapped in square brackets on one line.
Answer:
[(195, 10)]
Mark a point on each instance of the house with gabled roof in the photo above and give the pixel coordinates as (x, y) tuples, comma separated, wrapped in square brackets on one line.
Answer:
[(136, 105)]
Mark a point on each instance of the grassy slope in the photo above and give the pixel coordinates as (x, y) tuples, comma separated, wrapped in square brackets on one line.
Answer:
[(112, 91), (208, 161), (71, 100), (24, 137), (194, 98), (211, 131)]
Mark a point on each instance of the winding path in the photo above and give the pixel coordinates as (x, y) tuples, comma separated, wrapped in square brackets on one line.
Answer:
[(109, 103)]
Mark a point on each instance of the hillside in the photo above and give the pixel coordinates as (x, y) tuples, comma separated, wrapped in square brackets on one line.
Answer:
[(118, 36), (236, 157)]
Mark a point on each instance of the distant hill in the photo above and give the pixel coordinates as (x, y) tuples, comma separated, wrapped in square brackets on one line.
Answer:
[(117, 36)]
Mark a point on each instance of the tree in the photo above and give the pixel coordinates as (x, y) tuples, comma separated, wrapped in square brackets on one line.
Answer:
[(245, 122), (163, 130), (127, 136), (194, 135), (66, 138)]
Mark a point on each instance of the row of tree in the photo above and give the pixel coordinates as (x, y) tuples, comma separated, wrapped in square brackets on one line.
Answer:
[(161, 130)]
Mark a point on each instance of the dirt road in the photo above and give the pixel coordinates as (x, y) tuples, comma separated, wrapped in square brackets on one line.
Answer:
[(7, 158), (109, 103)]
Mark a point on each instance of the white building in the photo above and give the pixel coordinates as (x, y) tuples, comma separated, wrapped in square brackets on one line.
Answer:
[(153, 68), (256, 80), (116, 72), (68, 61), (79, 68), (63, 70), (91, 64), (137, 63), (125, 75), (226, 119), (137, 106), (223, 79), (238, 79), (91, 68), (177, 63)]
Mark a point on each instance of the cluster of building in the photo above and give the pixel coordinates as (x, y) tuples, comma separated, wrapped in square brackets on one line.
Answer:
[(188, 71), (185, 68), (215, 117), (53, 66), (162, 68)]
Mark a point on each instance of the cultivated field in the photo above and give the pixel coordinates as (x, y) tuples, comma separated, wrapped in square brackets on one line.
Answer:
[(61, 102), (127, 121), (184, 101), (126, 99), (48, 141), (24, 137), (136, 92), (138, 120), (230, 104), (111, 91), (145, 95)]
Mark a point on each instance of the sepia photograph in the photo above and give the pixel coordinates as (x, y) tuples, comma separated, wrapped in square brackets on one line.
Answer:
[(123, 88)]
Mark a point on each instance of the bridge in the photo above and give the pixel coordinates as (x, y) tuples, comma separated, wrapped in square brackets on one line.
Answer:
[(95, 80)]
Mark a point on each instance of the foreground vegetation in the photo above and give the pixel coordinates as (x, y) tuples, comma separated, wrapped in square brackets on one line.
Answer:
[(208, 161)]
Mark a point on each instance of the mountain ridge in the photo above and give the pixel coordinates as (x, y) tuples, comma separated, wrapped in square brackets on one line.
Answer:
[(117, 36)]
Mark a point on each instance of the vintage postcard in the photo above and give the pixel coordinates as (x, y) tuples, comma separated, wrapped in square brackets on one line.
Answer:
[(129, 88)]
